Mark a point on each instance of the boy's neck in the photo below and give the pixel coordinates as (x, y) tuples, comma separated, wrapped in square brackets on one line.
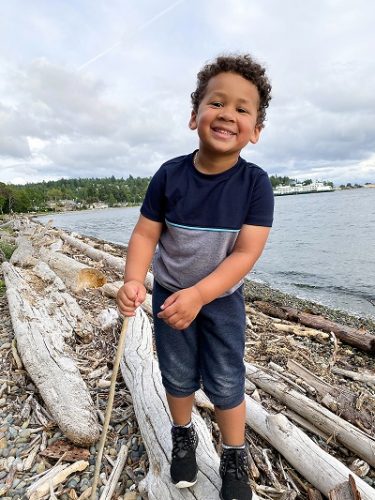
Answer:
[(213, 164)]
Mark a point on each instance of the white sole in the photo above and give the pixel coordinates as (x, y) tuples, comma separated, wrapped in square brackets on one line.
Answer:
[(185, 484)]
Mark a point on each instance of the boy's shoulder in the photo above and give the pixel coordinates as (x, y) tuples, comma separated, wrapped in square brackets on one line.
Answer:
[(176, 162)]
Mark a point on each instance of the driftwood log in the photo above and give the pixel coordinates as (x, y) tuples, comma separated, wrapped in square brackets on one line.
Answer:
[(342, 402), (353, 438), (357, 338), (319, 468), (75, 275), (117, 263), (43, 317)]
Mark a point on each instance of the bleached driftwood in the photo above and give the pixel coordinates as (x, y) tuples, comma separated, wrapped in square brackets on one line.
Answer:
[(75, 275), (43, 317), (319, 468), (115, 474), (24, 254), (341, 401), (367, 378), (142, 376), (55, 476), (117, 263), (350, 436)]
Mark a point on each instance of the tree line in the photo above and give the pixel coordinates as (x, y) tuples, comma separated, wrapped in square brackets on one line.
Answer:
[(80, 193), (84, 193)]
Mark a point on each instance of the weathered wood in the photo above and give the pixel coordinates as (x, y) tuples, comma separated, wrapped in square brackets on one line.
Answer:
[(115, 474), (313, 494), (75, 275), (357, 338), (338, 400), (354, 439), (116, 263), (367, 378), (318, 467), (142, 376), (345, 491), (55, 476), (43, 316), (24, 254)]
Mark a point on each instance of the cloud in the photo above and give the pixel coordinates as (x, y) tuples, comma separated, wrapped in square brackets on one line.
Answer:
[(128, 111)]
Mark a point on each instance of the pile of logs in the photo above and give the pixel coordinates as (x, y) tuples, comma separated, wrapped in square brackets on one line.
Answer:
[(42, 283)]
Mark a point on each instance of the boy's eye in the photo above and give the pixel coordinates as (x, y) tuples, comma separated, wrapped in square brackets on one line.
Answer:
[(242, 110), (217, 104)]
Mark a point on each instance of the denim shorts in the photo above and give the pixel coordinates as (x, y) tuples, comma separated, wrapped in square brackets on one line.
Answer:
[(208, 354)]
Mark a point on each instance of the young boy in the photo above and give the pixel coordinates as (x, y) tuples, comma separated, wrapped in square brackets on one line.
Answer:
[(210, 213)]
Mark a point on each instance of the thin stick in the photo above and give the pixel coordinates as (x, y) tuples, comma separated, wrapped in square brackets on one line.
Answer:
[(119, 353)]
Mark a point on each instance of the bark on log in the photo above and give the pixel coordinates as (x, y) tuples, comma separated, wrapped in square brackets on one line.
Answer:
[(42, 319), (357, 338), (142, 376), (319, 468), (344, 432), (345, 491), (75, 275)]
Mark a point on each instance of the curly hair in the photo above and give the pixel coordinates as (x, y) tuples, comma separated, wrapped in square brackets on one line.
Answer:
[(243, 65)]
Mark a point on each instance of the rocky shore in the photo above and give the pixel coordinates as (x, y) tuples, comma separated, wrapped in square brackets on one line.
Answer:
[(31, 443)]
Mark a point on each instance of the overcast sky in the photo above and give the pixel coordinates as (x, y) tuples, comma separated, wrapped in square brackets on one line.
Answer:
[(100, 88)]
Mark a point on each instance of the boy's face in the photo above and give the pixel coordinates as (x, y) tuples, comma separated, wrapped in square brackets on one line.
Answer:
[(227, 115)]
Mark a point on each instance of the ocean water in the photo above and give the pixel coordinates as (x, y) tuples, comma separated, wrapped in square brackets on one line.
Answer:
[(321, 247)]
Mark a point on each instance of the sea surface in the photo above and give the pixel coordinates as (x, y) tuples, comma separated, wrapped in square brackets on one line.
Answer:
[(321, 247)]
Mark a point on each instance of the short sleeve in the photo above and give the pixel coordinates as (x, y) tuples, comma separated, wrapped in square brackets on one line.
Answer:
[(153, 206), (261, 208)]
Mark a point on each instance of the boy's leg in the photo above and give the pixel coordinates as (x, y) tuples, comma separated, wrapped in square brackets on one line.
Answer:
[(180, 409), (178, 354), (222, 327), (232, 424)]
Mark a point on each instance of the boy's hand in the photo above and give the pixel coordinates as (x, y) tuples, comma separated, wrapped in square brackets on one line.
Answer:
[(181, 308), (130, 296)]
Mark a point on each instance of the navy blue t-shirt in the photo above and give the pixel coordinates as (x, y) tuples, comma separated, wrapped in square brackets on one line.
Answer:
[(202, 216)]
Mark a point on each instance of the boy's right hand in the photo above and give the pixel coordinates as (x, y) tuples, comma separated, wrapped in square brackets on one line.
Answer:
[(130, 296)]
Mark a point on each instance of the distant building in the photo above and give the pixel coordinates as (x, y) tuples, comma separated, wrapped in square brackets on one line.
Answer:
[(369, 185)]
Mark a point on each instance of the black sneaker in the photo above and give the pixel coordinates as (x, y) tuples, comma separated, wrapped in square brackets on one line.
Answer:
[(184, 469), (234, 471)]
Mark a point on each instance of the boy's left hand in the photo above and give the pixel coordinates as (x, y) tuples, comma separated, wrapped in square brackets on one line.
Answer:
[(181, 308)]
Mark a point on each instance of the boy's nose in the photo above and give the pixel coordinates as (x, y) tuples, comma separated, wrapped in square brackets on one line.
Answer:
[(226, 115)]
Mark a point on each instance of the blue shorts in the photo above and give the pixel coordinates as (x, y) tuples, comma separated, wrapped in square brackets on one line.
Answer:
[(208, 354)]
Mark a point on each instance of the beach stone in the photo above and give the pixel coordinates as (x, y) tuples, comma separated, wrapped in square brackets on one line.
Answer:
[(3, 402), (3, 474), (3, 442), (72, 483), (25, 433)]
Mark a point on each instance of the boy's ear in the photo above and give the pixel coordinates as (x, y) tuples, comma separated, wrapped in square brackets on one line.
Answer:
[(193, 120), (256, 134)]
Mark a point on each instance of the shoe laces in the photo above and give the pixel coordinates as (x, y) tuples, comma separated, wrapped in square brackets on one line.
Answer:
[(183, 440), (234, 462)]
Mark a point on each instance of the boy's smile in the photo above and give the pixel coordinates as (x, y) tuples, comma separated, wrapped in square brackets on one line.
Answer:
[(226, 120)]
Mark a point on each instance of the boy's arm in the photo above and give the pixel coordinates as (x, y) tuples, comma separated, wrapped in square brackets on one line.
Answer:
[(182, 307), (247, 250), (141, 249)]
